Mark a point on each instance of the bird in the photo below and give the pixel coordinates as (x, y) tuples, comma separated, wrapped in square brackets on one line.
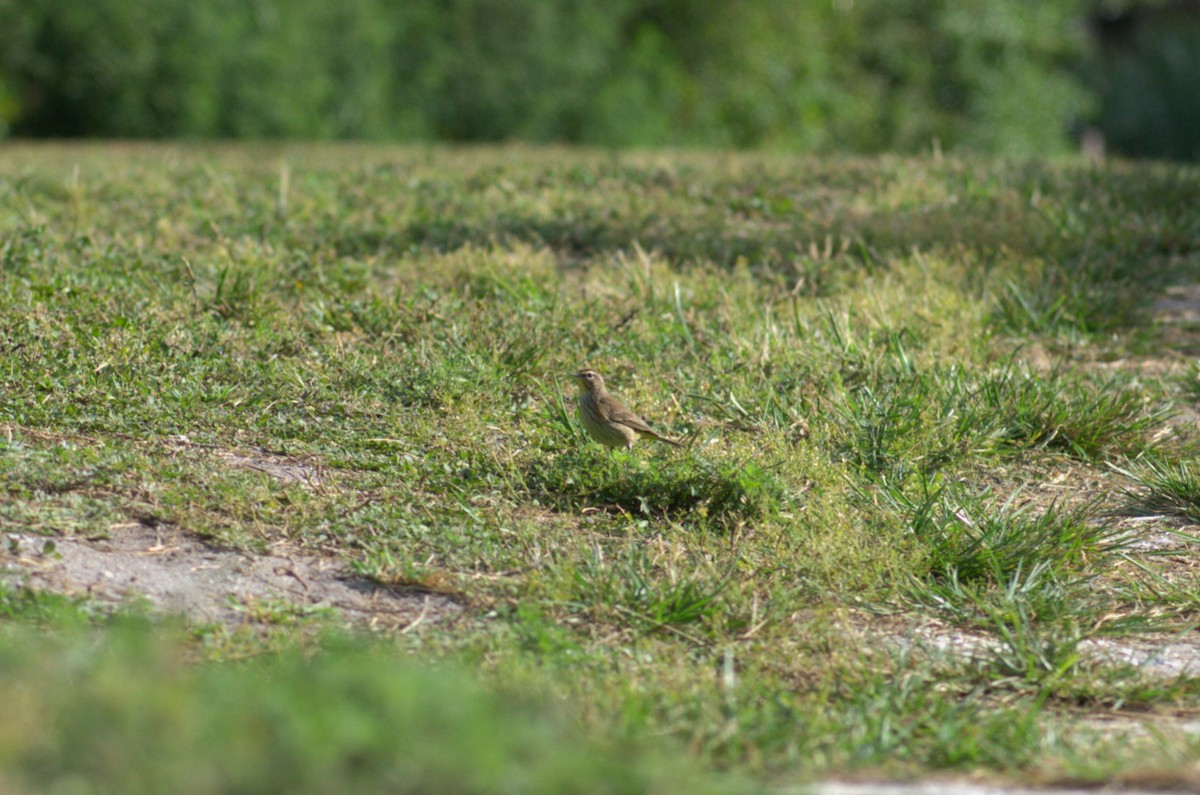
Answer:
[(606, 419)]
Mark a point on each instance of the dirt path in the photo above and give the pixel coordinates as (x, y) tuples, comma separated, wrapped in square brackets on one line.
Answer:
[(178, 573)]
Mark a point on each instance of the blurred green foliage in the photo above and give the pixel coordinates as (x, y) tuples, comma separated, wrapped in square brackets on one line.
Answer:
[(131, 711), (1148, 81), (1005, 76)]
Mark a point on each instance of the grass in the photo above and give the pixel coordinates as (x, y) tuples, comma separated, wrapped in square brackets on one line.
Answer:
[(347, 718), (1165, 487), (907, 390)]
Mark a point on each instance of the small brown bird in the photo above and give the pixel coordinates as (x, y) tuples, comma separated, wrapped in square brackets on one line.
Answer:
[(606, 419)]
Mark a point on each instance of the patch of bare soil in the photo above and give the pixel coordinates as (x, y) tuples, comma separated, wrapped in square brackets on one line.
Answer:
[(1166, 657), (283, 469), (1062, 485), (178, 573)]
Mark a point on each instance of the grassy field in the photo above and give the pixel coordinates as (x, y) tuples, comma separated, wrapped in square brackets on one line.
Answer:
[(921, 401)]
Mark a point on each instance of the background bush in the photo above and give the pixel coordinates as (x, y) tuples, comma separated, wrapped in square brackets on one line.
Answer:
[(1004, 76), (1148, 81)]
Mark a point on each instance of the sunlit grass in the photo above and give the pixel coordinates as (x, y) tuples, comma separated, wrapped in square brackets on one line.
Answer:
[(873, 364)]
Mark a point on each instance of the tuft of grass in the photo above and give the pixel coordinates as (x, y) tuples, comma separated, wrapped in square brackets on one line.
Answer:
[(1086, 421), (906, 423), (1164, 487), (972, 540), (629, 584), (1025, 576), (1084, 297)]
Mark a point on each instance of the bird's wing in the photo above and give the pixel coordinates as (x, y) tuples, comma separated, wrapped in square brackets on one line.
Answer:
[(624, 416)]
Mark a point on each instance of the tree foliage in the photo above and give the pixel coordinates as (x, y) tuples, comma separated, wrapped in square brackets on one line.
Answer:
[(864, 75)]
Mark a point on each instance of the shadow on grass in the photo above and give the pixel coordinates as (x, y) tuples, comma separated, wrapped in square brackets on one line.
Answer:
[(685, 487)]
